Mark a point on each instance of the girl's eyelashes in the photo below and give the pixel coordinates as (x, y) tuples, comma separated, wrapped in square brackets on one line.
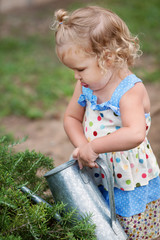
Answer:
[(80, 69)]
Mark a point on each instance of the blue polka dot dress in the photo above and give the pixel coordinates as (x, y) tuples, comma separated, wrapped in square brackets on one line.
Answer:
[(135, 171)]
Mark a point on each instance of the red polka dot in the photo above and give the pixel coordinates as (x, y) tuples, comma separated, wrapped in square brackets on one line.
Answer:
[(146, 127), (95, 133), (144, 175), (102, 175), (111, 159), (119, 175), (86, 129), (147, 156), (122, 189), (150, 170), (99, 118)]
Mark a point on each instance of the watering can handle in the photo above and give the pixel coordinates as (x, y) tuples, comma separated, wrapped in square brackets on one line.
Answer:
[(109, 178)]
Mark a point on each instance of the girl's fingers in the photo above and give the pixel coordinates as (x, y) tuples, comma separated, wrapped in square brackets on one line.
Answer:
[(93, 165), (89, 164), (80, 164), (75, 153), (96, 165)]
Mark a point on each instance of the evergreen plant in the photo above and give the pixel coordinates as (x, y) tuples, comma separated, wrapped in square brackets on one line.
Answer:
[(20, 219)]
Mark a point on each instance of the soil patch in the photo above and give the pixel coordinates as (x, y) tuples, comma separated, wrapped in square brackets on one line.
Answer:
[(48, 136)]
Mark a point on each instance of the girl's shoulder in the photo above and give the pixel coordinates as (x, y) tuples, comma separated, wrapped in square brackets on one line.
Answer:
[(123, 87), (135, 92), (126, 84), (127, 87)]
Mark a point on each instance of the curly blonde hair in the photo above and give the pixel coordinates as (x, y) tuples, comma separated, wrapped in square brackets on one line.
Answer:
[(99, 32)]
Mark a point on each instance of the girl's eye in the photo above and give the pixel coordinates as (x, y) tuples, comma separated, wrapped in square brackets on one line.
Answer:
[(81, 70)]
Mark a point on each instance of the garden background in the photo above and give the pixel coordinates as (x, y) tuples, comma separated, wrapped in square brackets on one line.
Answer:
[(35, 89)]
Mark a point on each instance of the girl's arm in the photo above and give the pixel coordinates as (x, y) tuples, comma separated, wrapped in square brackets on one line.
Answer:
[(133, 121), (73, 119), (130, 135)]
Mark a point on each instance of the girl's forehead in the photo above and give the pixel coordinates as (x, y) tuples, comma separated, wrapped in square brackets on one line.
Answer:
[(69, 50)]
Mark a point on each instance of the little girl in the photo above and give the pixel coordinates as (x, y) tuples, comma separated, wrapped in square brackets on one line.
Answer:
[(109, 113)]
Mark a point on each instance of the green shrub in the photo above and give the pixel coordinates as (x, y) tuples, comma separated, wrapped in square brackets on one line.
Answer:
[(20, 218)]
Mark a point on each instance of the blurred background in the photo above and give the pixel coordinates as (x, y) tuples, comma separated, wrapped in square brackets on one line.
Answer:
[(35, 87)]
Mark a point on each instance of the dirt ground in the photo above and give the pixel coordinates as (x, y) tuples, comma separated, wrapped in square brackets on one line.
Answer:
[(47, 135)]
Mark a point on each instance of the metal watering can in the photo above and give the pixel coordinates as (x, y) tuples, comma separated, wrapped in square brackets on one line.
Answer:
[(76, 189)]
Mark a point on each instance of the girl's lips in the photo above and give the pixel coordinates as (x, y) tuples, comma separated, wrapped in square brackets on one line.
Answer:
[(84, 84)]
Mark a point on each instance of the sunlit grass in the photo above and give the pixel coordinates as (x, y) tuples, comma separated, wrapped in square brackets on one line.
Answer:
[(30, 80), (33, 80)]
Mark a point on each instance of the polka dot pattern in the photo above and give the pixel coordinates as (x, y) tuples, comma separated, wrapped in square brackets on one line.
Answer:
[(119, 175), (90, 124), (102, 126), (128, 182), (141, 161), (96, 175), (95, 133), (144, 175), (129, 203), (118, 160), (144, 225), (133, 168), (102, 175)]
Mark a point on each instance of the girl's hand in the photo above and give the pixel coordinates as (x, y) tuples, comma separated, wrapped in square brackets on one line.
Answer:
[(85, 156), (75, 155)]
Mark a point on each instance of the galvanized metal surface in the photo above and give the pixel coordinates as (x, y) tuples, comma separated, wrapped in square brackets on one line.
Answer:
[(77, 189)]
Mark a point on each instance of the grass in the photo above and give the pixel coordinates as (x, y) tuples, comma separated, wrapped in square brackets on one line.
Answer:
[(30, 80), (33, 80)]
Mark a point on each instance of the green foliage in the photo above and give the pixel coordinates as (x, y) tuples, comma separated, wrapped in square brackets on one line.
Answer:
[(32, 78), (29, 78), (19, 217)]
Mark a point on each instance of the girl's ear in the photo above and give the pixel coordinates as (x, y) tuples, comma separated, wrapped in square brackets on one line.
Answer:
[(109, 59), (106, 59)]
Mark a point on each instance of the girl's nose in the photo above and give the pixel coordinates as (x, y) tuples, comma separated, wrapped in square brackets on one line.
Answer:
[(76, 75)]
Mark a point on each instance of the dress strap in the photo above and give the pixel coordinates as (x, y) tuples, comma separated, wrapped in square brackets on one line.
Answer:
[(87, 94), (125, 85)]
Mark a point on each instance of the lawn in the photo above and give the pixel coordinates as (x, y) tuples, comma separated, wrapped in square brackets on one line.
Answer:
[(32, 83), (33, 80)]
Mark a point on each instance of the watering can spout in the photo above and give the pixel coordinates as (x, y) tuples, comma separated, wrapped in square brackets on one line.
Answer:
[(38, 200)]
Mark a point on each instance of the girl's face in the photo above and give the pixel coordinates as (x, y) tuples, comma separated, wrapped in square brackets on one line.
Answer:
[(85, 67)]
